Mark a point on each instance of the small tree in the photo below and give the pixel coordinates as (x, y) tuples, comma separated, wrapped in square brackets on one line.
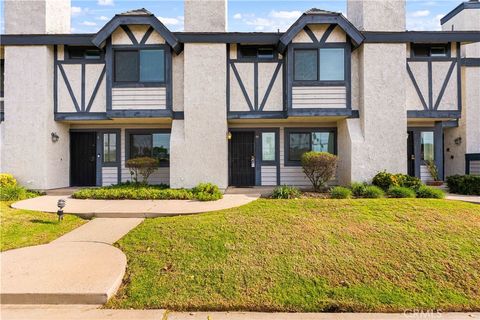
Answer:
[(432, 169), (319, 167), (143, 166)]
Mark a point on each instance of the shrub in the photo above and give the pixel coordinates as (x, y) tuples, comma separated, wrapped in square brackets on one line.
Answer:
[(409, 182), (467, 184), (340, 193), (16, 192), (373, 192), (144, 166), (207, 192), (432, 169), (286, 192), (358, 189), (430, 192), (319, 167), (7, 180), (387, 180), (401, 192)]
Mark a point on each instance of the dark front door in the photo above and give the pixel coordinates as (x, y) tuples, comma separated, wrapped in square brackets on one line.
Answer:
[(242, 160), (411, 154), (83, 151)]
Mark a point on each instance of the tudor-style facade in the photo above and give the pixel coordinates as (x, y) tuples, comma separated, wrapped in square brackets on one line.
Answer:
[(238, 108)]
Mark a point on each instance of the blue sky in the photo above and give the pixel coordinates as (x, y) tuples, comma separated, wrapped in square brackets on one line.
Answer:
[(243, 15)]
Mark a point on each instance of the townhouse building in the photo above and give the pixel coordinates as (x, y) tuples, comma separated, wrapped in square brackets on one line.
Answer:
[(237, 108)]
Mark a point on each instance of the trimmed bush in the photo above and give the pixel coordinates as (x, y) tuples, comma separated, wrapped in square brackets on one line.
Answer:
[(131, 191), (358, 189), (7, 180), (319, 167), (430, 192), (387, 180), (286, 192), (373, 192), (340, 193), (467, 184), (401, 192), (207, 192), (143, 166)]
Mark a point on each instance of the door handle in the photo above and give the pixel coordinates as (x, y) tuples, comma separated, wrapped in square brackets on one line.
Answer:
[(412, 157), (252, 161)]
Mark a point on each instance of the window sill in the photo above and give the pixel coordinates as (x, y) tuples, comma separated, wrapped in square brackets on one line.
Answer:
[(138, 84)]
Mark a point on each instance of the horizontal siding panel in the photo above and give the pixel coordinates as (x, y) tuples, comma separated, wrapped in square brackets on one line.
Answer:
[(425, 174), (109, 176), (269, 175), (139, 98), (475, 167), (319, 97)]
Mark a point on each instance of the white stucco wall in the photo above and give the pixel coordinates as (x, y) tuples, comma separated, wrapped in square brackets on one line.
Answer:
[(37, 16), (205, 15), (377, 15), (199, 150), (27, 148)]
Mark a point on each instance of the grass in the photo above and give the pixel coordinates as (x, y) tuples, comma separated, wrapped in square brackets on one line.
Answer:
[(310, 255), (22, 228)]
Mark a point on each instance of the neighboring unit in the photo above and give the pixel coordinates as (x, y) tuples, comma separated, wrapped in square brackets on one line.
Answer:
[(237, 109)]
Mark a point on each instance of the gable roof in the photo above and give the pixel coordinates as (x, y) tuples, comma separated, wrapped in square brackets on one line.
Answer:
[(472, 4), (315, 15), (137, 17)]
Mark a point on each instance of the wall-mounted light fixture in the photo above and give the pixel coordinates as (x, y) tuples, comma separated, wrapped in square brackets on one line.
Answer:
[(229, 135), (55, 137), (458, 141)]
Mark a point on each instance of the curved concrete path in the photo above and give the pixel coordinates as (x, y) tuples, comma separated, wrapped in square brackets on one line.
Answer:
[(134, 208), (81, 267)]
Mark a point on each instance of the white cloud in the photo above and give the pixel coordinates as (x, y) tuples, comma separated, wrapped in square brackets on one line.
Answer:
[(89, 23), (103, 18), (105, 2), (237, 16), (424, 23), (76, 11), (420, 13), (170, 21), (285, 14)]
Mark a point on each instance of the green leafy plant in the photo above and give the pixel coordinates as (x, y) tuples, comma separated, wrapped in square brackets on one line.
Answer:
[(358, 189), (16, 192), (432, 169), (373, 192), (143, 166), (286, 192), (340, 193), (207, 192), (319, 167), (408, 181), (401, 192), (387, 180), (7, 180), (430, 192), (467, 184)]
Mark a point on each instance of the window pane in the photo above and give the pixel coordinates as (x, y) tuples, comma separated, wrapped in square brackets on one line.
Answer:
[(92, 54), (152, 65), (140, 145), (109, 147), (299, 144), (323, 142), (332, 62), (306, 64), (265, 53), (161, 147), (126, 66), (268, 146), (438, 52), (427, 146), (420, 51)]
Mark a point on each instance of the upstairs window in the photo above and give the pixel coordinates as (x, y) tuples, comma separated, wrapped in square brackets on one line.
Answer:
[(257, 52), (430, 50), (84, 53), (324, 64), (139, 66)]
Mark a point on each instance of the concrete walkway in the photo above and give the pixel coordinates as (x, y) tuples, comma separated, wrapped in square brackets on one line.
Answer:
[(459, 197), (80, 267), (134, 208), (93, 313)]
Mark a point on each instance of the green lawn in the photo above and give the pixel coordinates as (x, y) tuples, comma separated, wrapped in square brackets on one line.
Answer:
[(308, 255), (22, 228)]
